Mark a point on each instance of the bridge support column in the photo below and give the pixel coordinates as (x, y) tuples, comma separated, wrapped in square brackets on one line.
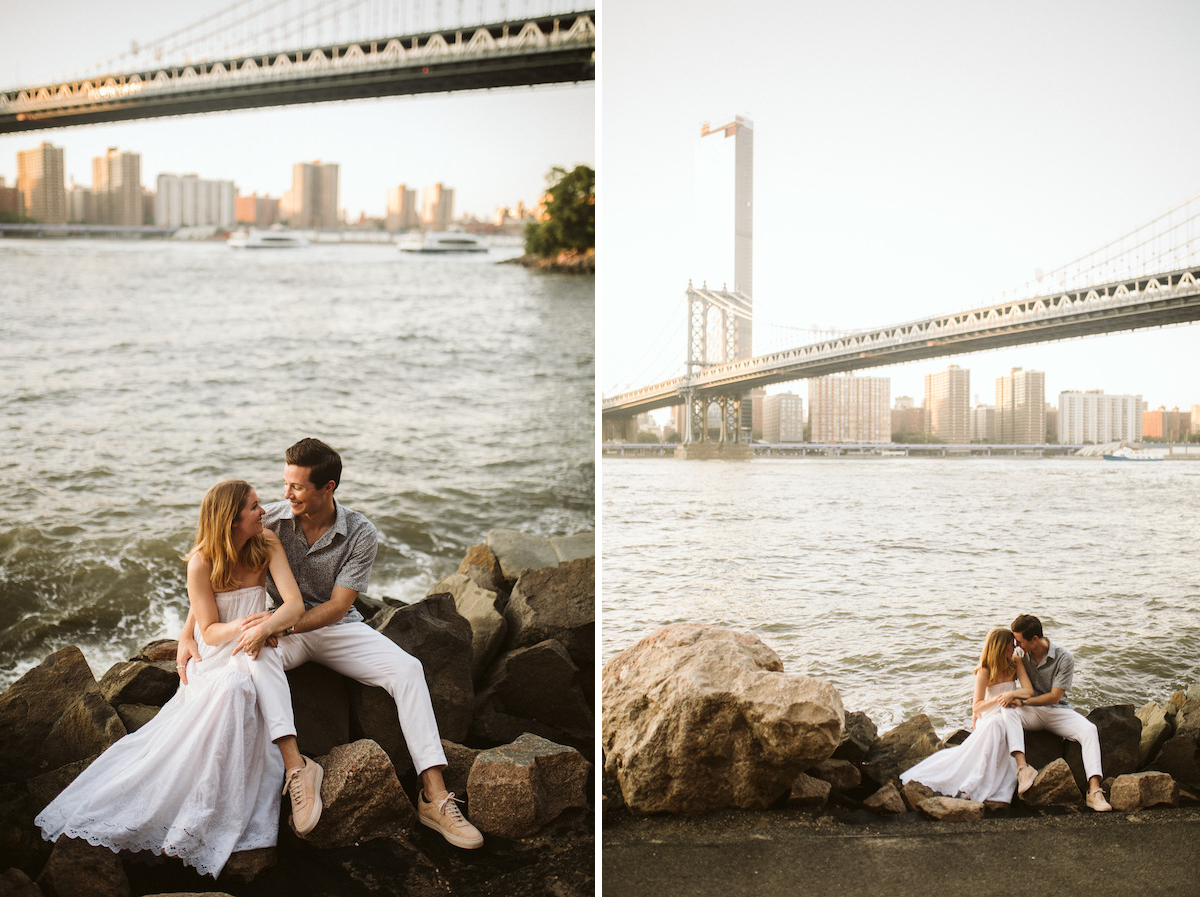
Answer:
[(621, 429), (728, 445)]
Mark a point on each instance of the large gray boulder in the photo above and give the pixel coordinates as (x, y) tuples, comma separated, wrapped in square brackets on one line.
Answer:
[(517, 551), (516, 790), (137, 682), (557, 603), (1143, 790), (698, 718), (1055, 785), (1120, 733), (436, 634), (900, 749), (54, 715), (362, 798), (321, 707), (1156, 729), (537, 690)]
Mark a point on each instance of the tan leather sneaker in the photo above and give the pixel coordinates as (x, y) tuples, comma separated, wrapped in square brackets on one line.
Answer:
[(304, 787), (443, 816)]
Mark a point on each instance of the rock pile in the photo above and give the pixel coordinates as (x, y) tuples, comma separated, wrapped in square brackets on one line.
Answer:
[(507, 647), (700, 718)]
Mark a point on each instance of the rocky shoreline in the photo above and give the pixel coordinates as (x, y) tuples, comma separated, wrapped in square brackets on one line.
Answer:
[(507, 644), (699, 719), (568, 261)]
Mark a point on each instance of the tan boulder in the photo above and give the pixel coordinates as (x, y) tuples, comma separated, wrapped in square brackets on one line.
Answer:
[(32, 705), (516, 790), (137, 682), (809, 791), (516, 552), (362, 797), (1141, 790), (914, 792), (478, 607), (842, 775), (697, 718), (951, 809), (886, 801), (1055, 785), (459, 760), (901, 748), (482, 568), (1156, 729)]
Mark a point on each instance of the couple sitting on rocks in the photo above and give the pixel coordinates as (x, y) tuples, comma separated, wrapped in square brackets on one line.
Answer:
[(201, 780), (1021, 683)]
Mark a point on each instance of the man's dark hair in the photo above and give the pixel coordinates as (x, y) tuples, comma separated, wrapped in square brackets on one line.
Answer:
[(1028, 625), (323, 463)]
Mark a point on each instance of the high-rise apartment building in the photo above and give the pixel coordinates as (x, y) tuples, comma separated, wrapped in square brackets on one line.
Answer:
[(948, 405), (117, 188), (783, 418), (849, 409), (1173, 425), (314, 195), (983, 423), (402, 208), (437, 207), (1095, 418), (1021, 408), (255, 210), (191, 201), (42, 185)]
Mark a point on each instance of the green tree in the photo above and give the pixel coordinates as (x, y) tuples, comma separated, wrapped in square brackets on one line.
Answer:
[(570, 218)]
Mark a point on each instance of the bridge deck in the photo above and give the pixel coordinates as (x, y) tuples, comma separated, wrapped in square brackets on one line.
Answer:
[(1145, 301)]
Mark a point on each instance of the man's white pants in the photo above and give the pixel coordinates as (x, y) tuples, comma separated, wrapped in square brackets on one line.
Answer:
[(1067, 723), (359, 652)]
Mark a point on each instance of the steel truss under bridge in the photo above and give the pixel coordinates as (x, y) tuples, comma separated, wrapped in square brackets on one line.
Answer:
[(1172, 297)]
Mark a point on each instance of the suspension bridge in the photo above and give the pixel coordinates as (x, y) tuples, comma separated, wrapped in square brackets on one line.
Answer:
[(258, 53), (1150, 277)]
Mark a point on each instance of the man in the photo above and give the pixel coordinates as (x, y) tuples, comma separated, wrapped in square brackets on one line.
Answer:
[(331, 549), (1051, 669)]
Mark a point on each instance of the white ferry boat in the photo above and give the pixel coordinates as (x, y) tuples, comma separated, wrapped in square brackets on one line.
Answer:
[(443, 241), (266, 239)]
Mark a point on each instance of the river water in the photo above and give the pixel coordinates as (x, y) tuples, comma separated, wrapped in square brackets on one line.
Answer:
[(134, 375), (884, 575)]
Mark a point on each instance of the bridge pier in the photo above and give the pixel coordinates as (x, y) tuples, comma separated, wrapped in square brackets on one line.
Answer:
[(697, 446), (715, 451)]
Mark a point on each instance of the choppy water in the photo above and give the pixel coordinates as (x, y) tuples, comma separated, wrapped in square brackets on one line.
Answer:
[(133, 375), (884, 575)]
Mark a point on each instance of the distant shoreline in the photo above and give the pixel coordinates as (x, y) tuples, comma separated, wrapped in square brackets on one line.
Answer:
[(801, 451)]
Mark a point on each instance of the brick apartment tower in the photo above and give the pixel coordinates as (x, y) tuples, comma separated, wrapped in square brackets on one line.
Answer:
[(1021, 408), (948, 405), (42, 185)]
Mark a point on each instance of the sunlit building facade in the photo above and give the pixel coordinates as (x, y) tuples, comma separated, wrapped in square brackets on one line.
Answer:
[(402, 213), (849, 409), (948, 405), (1021, 408), (437, 207), (191, 201), (1095, 418), (783, 418), (313, 199), (40, 180), (117, 188)]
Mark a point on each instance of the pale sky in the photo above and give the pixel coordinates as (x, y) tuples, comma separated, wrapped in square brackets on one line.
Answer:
[(493, 147), (911, 159)]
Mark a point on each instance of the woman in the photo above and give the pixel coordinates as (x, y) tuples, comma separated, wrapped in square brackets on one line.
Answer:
[(983, 767), (201, 779)]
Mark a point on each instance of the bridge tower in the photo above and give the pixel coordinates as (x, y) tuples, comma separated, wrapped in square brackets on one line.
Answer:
[(735, 327)]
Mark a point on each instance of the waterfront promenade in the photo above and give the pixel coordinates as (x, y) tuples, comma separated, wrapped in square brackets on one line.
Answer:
[(798, 853)]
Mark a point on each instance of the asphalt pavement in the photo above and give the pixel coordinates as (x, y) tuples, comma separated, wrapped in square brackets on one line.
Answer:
[(799, 853)]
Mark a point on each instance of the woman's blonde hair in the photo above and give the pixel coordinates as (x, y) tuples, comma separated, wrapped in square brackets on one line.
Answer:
[(997, 658), (214, 535)]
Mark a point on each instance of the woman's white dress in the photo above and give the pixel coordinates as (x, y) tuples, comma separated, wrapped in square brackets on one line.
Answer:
[(982, 767), (198, 781)]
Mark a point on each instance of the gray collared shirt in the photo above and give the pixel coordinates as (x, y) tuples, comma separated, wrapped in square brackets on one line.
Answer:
[(341, 557), (1056, 670)]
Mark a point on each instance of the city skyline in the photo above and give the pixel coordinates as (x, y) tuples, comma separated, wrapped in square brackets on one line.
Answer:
[(496, 147), (909, 161)]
